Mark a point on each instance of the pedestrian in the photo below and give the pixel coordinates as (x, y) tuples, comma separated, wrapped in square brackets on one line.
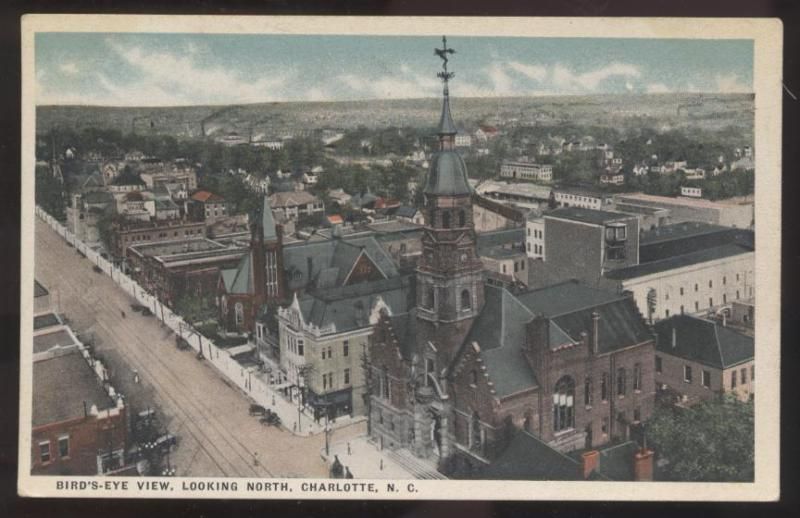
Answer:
[(348, 448), (273, 399), (294, 427), (136, 376), (347, 473), (381, 464), (255, 458)]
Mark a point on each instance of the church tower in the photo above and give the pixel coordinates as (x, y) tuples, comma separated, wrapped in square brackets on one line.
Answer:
[(449, 273)]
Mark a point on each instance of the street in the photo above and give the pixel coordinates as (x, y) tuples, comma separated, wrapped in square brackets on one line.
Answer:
[(217, 436)]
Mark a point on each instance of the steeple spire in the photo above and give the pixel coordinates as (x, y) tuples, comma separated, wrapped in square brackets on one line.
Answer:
[(446, 126)]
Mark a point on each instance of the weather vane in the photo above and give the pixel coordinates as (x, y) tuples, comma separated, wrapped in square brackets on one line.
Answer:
[(444, 75)]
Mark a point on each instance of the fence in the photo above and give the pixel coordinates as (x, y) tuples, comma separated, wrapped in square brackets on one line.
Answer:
[(243, 377)]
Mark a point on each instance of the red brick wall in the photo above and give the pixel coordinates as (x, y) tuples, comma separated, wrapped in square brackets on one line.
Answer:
[(87, 437)]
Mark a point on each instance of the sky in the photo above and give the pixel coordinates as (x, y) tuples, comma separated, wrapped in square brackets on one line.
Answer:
[(194, 69)]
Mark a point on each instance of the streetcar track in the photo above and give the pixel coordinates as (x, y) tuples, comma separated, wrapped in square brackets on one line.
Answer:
[(234, 445)]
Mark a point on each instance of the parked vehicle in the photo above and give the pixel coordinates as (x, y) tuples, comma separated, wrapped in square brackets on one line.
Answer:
[(146, 312), (97, 269), (137, 307), (257, 410), (166, 441)]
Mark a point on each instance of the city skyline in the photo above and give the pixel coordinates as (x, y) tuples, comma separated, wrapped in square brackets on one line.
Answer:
[(190, 69)]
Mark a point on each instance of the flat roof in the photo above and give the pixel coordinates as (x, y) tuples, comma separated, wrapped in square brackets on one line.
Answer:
[(596, 217), (46, 341), (45, 320), (61, 386), (180, 246), (679, 261), (679, 231), (683, 200)]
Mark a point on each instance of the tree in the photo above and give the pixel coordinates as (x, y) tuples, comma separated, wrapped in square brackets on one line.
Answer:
[(50, 193), (713, 441)]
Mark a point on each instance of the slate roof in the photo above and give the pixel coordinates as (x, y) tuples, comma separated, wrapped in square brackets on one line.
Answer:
[(595, 217), (679, 261), (349, 307), (570, 305), (528, 458), (61, 385), (447, 175), (499, 331), (239, 280), (332, 258), (703, 341)]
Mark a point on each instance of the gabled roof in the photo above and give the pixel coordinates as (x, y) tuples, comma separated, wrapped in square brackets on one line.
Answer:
[(349, 307), (338, 254), (499, 331), (207, 196), (569, 306), (291, 199), (703, 341), (528, 458), (239, 280)]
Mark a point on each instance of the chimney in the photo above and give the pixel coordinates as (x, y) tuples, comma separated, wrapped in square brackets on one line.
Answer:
[(591, 462), (595, 332), (643, 465)]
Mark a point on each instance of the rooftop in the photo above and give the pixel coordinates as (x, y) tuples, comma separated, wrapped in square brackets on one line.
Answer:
[(180, 246), (528, 458), (62, 386), (291, 199), (39, 290), (703, 341), (59, 337), (680, 200), (595, 217), (207, 196), (678, 261), (45, 320)]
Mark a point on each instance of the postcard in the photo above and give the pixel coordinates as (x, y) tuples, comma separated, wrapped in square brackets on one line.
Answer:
[(400, 258)]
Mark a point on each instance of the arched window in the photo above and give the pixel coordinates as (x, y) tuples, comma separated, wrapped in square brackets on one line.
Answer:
[(462, 218), (446, 220), (239, 309), (563, 404), (466, 300)]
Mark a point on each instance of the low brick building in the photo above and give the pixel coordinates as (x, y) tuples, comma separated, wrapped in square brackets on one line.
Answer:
[(133, 233), (79, 423), (698, 360)]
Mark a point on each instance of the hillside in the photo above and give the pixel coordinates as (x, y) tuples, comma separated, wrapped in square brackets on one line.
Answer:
[(708, 111)]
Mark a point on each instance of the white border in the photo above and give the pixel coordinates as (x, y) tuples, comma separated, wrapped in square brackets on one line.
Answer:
[(767, 35)]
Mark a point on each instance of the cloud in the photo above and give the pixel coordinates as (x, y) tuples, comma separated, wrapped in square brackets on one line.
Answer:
[(657, 88), (69, 68), (730, 84), (404, 84), (565, 79), (535, 72)]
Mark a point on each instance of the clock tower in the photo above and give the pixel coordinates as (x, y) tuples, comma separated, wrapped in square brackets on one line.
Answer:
[(449, 274)]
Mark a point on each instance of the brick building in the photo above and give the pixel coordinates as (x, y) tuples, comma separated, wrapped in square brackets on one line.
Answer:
[(257, 280), (172, 270), (455, 379), (698, 360), (206, 206), (79, 422), (130, 233)]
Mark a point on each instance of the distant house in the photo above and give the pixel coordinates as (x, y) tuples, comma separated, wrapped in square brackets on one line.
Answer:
[(486, 132), (410, 214), (692, 192), (339, 196), (293, 204), (463, 139), (526, 170), (206, 206)]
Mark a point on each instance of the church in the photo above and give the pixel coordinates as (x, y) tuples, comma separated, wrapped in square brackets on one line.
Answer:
[(472, 365)]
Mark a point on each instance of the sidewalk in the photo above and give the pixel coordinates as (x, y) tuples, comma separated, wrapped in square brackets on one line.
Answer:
[(364, 460)]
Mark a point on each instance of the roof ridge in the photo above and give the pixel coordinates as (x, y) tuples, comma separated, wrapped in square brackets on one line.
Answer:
[(584, 308)]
